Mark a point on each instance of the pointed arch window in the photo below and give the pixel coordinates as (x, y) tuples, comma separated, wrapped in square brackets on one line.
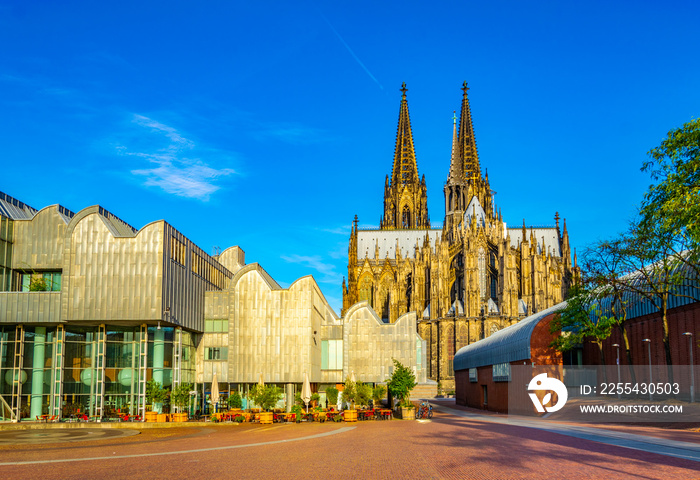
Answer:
[(482, 273), (450, 350), (406, 217), (366, 289)]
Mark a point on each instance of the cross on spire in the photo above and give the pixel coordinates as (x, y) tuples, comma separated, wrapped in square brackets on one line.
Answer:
[(465, 89), (403, 89)]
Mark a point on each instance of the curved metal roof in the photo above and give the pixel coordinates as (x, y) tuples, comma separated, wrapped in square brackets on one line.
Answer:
[(505, 346)]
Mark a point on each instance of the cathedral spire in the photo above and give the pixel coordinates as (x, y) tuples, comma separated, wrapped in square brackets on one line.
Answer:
[(405, 195), (466, 139), (405, 169), (456, 164)]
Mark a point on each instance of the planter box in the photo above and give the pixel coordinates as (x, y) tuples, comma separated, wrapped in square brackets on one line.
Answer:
[(151, 416), (350, 415), (162, 417), (266, 418), (179, 417), (408, 413)]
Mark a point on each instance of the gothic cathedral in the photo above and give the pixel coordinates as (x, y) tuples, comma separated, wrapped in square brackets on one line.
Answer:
[(467, 279)]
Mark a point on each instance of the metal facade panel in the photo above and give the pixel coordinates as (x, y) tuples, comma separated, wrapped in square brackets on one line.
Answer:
[(30, 307), (39, 242), (369, 345), (271, 330), (505, 346), (109, 278)]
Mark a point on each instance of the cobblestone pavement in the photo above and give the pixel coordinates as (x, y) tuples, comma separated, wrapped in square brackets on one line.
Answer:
[(447, 447)]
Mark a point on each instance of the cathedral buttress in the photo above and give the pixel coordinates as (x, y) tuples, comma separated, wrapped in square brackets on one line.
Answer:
[(405, 194)]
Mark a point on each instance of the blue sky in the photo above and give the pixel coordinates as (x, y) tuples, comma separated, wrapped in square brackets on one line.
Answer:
[(270, 125)]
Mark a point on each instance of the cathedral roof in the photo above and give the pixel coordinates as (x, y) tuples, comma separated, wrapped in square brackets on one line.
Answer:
[(476, 209), (367, 241), (551, 238)]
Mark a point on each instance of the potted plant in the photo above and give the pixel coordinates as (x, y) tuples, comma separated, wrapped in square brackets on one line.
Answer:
[(378, 393), (315, 397), (156, 395), (179, 398), (297, 411), (332, 396), (266, 397), (235, 401), (349, 396), (400, 384)]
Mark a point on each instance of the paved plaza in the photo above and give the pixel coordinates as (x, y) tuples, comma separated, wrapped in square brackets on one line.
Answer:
[(456, 443)]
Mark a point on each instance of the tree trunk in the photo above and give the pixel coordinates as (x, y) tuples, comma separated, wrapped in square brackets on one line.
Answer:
[(602, 360), (628, 351)]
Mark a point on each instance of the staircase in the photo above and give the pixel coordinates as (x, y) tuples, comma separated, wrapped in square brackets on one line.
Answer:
[(424, 390)]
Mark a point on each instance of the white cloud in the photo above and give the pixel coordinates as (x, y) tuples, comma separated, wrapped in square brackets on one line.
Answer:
[(176, 168)]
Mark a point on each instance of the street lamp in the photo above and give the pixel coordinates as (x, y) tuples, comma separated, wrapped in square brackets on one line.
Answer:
[(692, 372), (617, 346), (648, 342)]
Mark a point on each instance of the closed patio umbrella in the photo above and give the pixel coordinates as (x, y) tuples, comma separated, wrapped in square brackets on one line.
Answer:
[(306, 392), (352, 377), (214, 392)]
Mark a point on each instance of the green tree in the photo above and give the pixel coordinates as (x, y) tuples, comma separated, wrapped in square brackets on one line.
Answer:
[(155, 393), (364, 393), (673, 203), (266, 396), (401, 383), (332, 395), (235, 400), (581, 319), (601, 271), (378, 393), (350, 392), (180, 395), (37, 283)]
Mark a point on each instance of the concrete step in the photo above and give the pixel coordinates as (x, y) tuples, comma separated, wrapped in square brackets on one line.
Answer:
[(424, 390)]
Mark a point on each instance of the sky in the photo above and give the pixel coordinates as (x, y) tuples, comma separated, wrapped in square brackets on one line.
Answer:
[(269, 125)]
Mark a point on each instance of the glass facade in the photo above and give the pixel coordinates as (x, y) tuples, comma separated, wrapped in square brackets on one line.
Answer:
[(81, 373)]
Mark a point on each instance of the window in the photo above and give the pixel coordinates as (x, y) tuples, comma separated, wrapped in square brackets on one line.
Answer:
[(450, 350), (216, 353), (38, 282), (501, 372), (366, 289), (472, 375), (178, 251), (482, 273), (331, 354), (216, 326)]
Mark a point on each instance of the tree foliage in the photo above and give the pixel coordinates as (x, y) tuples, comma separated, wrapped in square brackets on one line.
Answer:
[(580, 320), (266, 396), (180, 395), (155, 392), (332, 395), (378, 393), (673, 203), (401, 383), (235, 400), (38, 284)]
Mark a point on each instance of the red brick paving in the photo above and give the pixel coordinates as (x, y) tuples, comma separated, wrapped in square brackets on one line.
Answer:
[(676, 431), (448, 447)]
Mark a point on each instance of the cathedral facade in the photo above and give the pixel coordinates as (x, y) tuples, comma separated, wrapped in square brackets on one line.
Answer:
[(470, 277)]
